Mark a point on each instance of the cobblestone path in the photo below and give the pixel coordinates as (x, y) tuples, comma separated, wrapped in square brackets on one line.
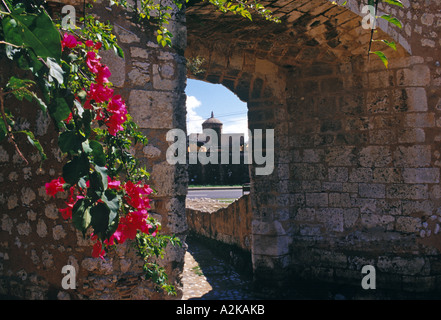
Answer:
[(208, 277)]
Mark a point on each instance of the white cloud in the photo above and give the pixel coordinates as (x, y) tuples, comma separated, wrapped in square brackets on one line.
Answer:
[(194, 121), (237, 125)]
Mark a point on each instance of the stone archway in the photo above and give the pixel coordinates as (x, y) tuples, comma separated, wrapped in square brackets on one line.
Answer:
[(357, 160), (354, 142)]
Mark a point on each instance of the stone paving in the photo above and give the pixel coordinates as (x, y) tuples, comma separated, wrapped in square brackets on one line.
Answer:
[(208, 277)]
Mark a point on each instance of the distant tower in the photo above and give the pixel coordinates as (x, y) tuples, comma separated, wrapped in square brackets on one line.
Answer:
[(213, 123)]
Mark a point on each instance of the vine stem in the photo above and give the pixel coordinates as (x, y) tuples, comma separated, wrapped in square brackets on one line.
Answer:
[(10, 44), (8, 128), (372, 30)]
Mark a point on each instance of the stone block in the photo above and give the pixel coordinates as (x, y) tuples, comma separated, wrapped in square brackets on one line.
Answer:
[(340, 156), (401, 265), (152, 109), (117, 66), (411, 135), (413, 156), (378, 102), (126, 36), (305, 214), (377, 220), (372, 190), (361, 175), (418, 76), (317, 199), (270, 245), (332, 218), (387, 175), (420, 120), (417, 99), (375, 156), (408, 224), (339, 200), (338, 174), (407, 191), (350, 217), (421, 175)]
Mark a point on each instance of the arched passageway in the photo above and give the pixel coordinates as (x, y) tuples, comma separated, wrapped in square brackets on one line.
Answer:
[(351, 140)]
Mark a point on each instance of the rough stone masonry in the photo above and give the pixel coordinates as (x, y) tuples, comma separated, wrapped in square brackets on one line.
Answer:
[(357, 151)]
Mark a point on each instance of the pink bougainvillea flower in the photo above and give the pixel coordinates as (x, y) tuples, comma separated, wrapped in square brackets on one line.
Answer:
[(98, 45), (87, 105), (99, 93), (103, 74), (66, 213), (117, 105), (130, 224), (137, 195), (98, 251), (55, 186), (114, 123), (89, 43), (113, 184), (93, 62), (69, 118), (69, 41)]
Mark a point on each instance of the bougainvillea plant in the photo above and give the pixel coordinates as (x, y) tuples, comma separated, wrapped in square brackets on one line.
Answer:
[(107, 194)]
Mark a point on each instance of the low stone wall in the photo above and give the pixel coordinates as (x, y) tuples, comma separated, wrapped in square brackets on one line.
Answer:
[(230, 225)]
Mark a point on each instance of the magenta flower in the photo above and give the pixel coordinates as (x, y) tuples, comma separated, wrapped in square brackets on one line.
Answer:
[(69, 41)]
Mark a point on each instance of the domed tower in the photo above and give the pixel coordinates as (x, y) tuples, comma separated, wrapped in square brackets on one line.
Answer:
[(213, 123)]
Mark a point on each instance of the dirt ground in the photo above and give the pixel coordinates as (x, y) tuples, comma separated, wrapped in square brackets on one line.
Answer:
[(205, 204)]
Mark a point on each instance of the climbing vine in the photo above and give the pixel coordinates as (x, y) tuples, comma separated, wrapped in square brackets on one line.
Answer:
[(107, 194), (158, 14), (371, 9)]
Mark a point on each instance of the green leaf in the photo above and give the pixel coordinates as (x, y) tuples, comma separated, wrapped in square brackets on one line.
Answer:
[(100, 217), (394, 2), (382, 57), (32, 140), (59, 109), (69, 142), (103, 173), (81, 217), (40, 102), (390, 44), (98, 184), (36, 31), (75, 169), (112, 200), (55, 70), (98, 154), (20, 88), (392, 20), (3, 130), (105, 214)]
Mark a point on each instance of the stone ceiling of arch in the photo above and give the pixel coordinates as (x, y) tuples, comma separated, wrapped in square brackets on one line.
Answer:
[(311, 30)]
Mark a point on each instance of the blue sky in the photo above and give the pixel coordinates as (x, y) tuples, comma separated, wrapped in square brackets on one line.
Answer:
[(203, 97)]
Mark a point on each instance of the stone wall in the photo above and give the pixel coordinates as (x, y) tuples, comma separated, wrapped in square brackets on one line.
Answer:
[(226, 231), (35, 242), (230, 225)]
